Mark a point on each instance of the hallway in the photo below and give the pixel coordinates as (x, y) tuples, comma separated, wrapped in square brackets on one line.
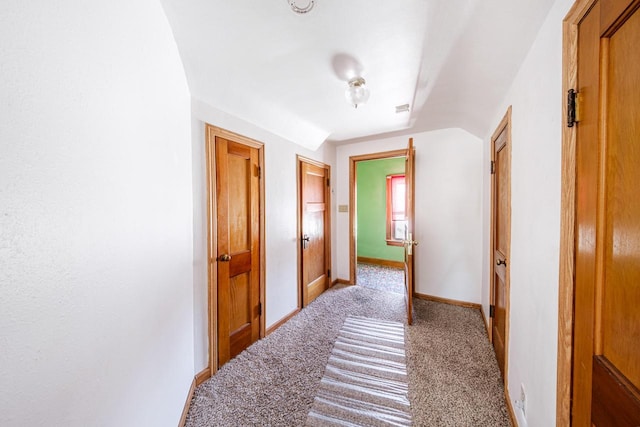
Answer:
[(104, 235), (453, 375)]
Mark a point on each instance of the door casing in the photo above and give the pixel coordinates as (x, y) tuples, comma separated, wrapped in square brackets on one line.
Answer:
[(327, 229), (353, 160), (211, 133), (505, 125), (568, 220)]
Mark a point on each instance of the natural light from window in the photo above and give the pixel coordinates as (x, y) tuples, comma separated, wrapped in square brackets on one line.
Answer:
[(396, 214)]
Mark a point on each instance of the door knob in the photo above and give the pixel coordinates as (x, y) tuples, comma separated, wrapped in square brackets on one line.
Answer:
[(410, 243), (224, 258), (501, 262)]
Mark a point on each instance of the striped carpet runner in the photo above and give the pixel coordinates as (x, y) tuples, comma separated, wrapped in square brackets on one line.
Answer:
[(365, 382)]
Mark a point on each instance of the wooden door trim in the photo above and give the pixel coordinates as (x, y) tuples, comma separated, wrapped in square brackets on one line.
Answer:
[(505, 125), (327, 231), (568, 219), (211, 132), (352, 201), (566, 279)]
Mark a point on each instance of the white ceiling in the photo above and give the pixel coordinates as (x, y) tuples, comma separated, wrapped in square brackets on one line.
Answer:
[(451, 60)]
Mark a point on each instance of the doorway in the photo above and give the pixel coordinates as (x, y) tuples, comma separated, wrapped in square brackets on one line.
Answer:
[(376, 247), (235, 207), (599, 324), (500, 241), (314, 229)]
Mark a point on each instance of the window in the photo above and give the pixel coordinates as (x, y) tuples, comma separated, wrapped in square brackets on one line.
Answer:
[(396, 215)]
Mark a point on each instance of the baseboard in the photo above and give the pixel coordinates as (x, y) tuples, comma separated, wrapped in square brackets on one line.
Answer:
[(202, 376), (187, 404), (486, 323), (341, 282), (382, 262), (512, 415), (282, 321), (448, 301)]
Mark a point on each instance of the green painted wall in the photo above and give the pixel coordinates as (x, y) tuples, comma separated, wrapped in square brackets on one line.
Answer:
[(371, 182)]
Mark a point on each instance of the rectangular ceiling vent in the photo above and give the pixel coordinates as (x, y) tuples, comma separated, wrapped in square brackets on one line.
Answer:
[(402, 108)]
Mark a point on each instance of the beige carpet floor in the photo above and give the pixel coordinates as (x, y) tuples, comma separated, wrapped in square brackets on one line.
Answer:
[(381, 278), (453, 375)]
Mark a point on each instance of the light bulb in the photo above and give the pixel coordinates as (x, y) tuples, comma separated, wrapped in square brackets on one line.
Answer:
[(357, 93)]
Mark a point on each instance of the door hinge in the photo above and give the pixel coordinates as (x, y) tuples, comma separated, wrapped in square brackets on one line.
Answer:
[(492, 310), (328, 182), (259, 172), (259, 309), (574, 99), (493, 167), (329, 273)]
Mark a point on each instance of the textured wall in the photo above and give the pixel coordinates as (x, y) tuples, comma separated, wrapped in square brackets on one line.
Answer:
[(536, 100), (96, 314), (372, 208), (448, 210)]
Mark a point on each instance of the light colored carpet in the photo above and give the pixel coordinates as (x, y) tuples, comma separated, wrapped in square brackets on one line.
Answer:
[(453, 375), (378, 277), (365, 382)]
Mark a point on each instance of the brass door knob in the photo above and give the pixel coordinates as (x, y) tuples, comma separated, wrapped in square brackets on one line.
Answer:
[(224, 258)]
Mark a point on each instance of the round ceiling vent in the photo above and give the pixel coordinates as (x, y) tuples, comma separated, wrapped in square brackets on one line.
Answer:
[(301, 6)]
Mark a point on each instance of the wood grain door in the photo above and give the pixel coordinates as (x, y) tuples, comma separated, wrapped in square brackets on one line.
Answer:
[(501, 218), (409, 242), (314, 230), (238, 247), (606, 359)]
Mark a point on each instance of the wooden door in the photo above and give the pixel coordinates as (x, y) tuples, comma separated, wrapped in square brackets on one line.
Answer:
[(314, 231), (500, 242), (606, 359), (409, 242), (238, 247)]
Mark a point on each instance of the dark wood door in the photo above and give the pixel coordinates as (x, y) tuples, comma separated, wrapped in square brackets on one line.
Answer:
[(606, 359), (314, 239), (409, 242), (238, 247), (500, 240)]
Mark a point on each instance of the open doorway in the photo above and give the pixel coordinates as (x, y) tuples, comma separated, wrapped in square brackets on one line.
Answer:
[(378, 220)]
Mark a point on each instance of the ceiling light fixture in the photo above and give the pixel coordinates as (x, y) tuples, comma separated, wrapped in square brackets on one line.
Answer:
[(357, 93), (302, 10)]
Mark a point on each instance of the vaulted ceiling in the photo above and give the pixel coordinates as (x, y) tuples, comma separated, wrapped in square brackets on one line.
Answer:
[(450, 60)]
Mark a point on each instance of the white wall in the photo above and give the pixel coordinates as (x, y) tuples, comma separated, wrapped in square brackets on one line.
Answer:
[(448, 210), (200, 291), (536, 97), (96, 289), (281, 217)]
